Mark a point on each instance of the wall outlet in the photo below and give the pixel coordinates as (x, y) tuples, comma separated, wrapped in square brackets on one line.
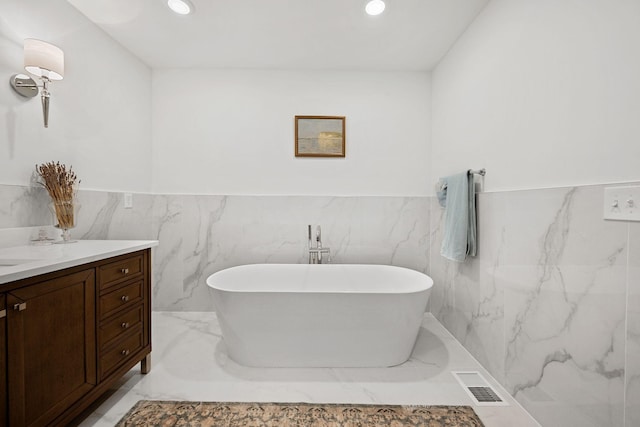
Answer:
[(622, 203), (128, 200)]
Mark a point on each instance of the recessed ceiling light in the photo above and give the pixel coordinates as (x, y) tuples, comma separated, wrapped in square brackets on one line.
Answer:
[(375, 7), (181, 7)]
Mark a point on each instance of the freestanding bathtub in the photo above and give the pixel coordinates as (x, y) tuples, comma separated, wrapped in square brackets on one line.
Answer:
[(332, 315)]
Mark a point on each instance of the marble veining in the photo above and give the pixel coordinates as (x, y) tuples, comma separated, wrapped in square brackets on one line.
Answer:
[(101, 222), (24, 206), (563, 321), (543, 306), (204, 234), (167, 258), (102, 216), (473, 295), (550, 306)]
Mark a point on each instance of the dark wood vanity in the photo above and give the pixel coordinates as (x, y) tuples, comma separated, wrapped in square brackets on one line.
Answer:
[(66, 336)]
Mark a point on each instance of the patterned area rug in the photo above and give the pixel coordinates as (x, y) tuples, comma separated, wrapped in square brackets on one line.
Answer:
[(221, 414)]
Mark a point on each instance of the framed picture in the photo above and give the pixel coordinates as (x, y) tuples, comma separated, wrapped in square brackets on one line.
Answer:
[(320, 136)]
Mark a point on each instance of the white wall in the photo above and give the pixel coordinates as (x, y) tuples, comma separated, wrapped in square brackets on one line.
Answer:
[(232, 132), (100, 119), (543, 94)]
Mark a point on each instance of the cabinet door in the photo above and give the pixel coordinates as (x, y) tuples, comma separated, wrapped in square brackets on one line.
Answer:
[(51, 347), (3, 362)]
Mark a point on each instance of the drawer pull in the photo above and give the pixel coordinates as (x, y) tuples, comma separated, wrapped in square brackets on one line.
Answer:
[(124, 298), (124, 271), (3, 313), (124, 352), (20, 307), (125, 325)]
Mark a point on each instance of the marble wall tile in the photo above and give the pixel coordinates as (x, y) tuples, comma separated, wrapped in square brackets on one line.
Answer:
[(95, 214), (167, 264), (441, 302), (211, 233), (632, 404), (564, 307), (542, 306), (102, 215), (469, 297), (22, 206), (479, 290), (200, 235), (550, 306)]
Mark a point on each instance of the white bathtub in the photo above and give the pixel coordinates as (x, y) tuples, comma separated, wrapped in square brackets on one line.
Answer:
[(300, 315)]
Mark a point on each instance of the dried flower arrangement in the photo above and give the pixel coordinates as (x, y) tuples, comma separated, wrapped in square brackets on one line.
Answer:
[(62, 185)]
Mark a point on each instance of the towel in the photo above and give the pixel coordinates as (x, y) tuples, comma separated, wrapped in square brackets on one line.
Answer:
[(457, 196)]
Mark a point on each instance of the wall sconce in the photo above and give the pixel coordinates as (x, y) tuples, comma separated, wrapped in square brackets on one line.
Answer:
[(44, 61)]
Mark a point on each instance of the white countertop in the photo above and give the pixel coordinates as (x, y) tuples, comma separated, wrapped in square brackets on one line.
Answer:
[(34, 260)]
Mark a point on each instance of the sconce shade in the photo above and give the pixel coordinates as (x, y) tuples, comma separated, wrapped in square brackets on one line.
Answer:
[(43, 59)]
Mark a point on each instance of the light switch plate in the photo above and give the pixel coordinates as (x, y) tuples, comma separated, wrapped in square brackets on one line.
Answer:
[(622, 203), (128, 200)]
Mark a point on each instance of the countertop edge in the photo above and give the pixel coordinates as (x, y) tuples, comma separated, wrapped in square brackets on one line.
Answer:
[(39, 267)]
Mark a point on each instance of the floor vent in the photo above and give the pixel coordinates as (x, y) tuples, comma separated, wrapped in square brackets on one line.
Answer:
[(479, 389), (484, 394)]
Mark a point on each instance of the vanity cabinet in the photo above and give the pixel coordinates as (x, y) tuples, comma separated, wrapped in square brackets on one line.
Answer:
[(69, 335), (51, 347)]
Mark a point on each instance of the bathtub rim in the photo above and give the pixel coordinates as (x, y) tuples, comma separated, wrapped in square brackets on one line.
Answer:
[(405, 271)]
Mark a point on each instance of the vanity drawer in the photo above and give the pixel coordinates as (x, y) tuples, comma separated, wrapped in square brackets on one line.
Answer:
[(119, 271), (121, 351), (125, 296), (120, 324)]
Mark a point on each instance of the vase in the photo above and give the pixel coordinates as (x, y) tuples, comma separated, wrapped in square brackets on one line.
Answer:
[(65, 213)]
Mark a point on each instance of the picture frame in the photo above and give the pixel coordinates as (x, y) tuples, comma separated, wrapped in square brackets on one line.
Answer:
[(320, 136)]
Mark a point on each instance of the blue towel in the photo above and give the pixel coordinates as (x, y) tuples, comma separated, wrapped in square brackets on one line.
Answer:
[(457, 196)]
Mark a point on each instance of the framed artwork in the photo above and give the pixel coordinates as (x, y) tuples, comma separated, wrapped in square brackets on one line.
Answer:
[(320, 136)]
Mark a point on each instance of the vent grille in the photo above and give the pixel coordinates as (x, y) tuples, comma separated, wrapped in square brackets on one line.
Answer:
[(484, 394), (479, 389)]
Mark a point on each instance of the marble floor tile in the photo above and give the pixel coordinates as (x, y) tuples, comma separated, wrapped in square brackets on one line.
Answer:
[(189, 362)]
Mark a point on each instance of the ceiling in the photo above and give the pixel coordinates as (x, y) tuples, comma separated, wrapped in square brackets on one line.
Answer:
[(285, 34)]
